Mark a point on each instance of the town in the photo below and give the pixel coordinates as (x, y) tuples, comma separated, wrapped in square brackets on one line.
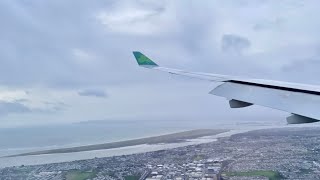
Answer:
[(287, 153)]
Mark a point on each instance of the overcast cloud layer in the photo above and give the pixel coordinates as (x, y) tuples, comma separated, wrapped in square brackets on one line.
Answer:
[(70, 61)]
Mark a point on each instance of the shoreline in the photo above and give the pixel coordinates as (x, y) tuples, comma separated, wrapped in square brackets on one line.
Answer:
[(178, 137), (128, 150)]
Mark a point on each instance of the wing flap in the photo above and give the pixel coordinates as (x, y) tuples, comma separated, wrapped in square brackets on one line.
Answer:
[(297, 119), (238, 104), (294, 102)]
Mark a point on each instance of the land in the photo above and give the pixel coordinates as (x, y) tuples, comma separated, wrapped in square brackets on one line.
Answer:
[(271, 175), (79, 175), (168, 138), (274, 154)]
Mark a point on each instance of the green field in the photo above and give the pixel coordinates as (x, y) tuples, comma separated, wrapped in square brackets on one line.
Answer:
[(78, 175), (272, 175), (132, 177)]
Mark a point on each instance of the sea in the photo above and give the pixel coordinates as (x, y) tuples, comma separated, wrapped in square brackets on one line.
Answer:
[(22, 140)]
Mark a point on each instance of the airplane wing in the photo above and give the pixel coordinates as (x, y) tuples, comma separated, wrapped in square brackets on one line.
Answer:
[(302, 101)]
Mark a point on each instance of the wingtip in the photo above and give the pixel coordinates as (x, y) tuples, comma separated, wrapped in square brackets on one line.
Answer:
[(135, 53), (143, 60)]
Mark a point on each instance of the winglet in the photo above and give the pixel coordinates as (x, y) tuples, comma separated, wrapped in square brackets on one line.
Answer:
[(144, 60)]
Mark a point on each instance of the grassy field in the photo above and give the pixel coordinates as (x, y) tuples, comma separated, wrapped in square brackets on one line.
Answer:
[(272, 175), (78, 175), (132, 178)]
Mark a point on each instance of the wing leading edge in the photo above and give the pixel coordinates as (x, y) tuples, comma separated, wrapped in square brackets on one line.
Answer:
[(301, 100)]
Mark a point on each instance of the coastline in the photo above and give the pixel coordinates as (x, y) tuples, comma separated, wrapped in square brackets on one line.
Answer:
[(178, 137), (135, 149)]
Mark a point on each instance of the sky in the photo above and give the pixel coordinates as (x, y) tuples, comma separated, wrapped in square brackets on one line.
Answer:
[(71, 61)]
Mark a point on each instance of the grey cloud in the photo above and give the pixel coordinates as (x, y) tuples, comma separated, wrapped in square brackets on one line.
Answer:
[(17, 107), (13, 108), (22, 100), (52, 107), (231, 43), (93, 93), (38, 38), (269, 24), (38, 42)]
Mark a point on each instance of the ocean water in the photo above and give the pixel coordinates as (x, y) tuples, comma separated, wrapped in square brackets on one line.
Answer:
[(21, 140), (66, 157), (93, 132)]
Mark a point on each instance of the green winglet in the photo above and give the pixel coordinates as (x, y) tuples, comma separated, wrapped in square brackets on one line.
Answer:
[(143, 60)]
